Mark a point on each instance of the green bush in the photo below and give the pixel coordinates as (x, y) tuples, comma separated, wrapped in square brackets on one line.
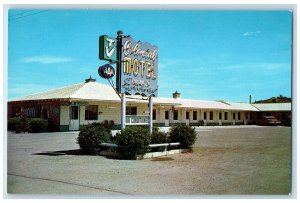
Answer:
[(133, 141), (186, 135), (108, 124), (159, 137), (12, 123), (23, 125), (91, 136), (52, 126), (38, 125)]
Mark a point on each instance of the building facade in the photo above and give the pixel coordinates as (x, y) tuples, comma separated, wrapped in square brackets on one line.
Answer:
[(69, 108)]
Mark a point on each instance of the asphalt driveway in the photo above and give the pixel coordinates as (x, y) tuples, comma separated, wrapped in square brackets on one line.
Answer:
[(232, 160)]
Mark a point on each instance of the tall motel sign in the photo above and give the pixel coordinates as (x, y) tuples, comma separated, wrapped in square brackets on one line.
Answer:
[(136, 72)]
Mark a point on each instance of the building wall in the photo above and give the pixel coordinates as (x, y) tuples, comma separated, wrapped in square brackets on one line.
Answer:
[(112, 111), (64, 115), (47, 109), (200, 117)]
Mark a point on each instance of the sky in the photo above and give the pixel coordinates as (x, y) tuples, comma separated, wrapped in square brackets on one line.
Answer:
[(206, 55)]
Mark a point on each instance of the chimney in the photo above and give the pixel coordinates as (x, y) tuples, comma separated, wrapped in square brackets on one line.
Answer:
[(250, 102), (90, 80), (176, 95)]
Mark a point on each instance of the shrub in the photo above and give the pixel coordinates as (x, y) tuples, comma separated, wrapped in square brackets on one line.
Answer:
[(159, 137), (186, 135), (133, 141), (91, 136), (108, 124), (38, 125), (12, 123), (23, 125), (52, 126)]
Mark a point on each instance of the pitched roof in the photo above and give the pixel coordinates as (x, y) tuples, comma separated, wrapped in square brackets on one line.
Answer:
[(274, 106), (59, 93), (82, 91), (242, 106), (190, 103), (95, 91)]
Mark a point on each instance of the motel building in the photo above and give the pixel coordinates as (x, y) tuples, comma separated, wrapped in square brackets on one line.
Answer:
[(68, 108)]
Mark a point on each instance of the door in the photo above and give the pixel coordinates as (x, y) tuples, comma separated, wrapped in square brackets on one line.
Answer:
[(220, 118), (187, 118), (233, 118), (167, 122), (74, 118), (246, 119)]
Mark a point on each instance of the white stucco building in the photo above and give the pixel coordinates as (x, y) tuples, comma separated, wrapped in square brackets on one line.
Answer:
[(72, 106)]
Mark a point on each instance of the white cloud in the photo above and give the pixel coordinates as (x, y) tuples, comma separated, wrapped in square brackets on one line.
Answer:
[(47, 59), (252, 33)]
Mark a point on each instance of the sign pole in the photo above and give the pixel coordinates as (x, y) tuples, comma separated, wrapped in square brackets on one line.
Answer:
[(123, 111), (151, 113), (119, 60), (118, 78)]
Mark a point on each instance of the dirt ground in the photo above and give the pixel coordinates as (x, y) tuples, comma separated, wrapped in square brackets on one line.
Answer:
[(236, 161)]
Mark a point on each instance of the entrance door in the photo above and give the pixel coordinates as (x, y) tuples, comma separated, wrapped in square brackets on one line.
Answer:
[(220, 118), (233, 118), (187, 118), (167, 122), (74, 118)]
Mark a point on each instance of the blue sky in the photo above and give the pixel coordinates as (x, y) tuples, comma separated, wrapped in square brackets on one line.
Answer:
[(208, 55)]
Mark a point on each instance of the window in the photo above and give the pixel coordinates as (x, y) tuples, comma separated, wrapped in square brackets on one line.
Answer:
[(239, 116), (226, 116), (91, 112), (246, 115), (233, 116), (45, 111), (211, 115), (131, 110), (187, 115), (16, 111), (250, 116), (154, 114), (205, 115), (220, 116), (29, 112), (175, 116), (194, 115), (74, 112)]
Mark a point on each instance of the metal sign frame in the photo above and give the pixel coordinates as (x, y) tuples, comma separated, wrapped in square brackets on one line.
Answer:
[(138, 75)]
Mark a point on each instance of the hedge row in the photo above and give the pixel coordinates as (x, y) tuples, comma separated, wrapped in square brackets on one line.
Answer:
[(23, 124), (133, 140)]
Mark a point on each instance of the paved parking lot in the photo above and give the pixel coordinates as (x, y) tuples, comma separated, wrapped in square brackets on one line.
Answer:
[(239, 160)]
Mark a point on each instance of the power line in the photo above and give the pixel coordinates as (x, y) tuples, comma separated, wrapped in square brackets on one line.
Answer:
[(31, 14)]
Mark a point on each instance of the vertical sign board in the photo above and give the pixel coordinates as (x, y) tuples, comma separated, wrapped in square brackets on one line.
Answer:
[(107, 48), (139, 68)]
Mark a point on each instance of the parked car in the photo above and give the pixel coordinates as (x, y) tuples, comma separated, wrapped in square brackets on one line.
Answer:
[(269, 120)]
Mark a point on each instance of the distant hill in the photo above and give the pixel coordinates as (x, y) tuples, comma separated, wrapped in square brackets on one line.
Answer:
[(279, 99)]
